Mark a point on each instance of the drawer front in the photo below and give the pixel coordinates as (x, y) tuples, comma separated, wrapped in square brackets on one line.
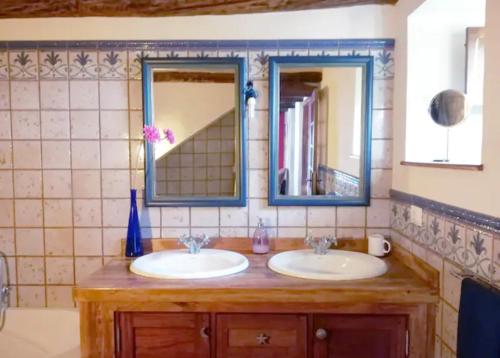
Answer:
[(359, 336), (153, 335), (263, 335)]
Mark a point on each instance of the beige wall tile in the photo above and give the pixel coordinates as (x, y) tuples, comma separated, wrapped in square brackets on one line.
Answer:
[(234, 217), (321, 216), (351, 217), (59, 242), (257, 183), (111, 240), (55, 124), (59, 270), (87, 212), (174, 232), (204, 217), (54, 95), (86, 183), (350, 233), (451, 284), (7, 210), (57, 183), (85, 155), (28, 184), (56, 154), (58, 213), (25, 124), (29, 242), (5, 95), (258, 208), (115, 183), (7, 244), (174, 217), (30, 270), (135, 95), (287, 232), (24, 95), (88, 242), (84, 94), (211, 232), (113, 94), (114, 125), (60, 296), (5, 127), (85, 266), (27, 154), (292, 216), (115, 154), (6, 185), (85, 124), (6, 149), (28, 213), (377, 214), (257, 154), (450, 326), (234, 232), (31, 296), (258, 127), (115, 212)]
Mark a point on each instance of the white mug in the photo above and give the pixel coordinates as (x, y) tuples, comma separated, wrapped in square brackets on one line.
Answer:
[(378, 245)]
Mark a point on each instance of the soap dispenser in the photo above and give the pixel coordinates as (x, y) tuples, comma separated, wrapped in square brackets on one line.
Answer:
[(260, 242)]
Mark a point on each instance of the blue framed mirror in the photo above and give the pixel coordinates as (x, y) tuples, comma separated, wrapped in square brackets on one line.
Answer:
[(200, 100), (320, 130)]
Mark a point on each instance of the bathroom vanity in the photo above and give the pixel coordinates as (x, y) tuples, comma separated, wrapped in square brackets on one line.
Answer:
[(259, 313)]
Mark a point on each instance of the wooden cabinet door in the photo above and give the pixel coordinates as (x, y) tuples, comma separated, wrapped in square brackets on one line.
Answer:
[(155, 335), (261, 336), (359, 336)]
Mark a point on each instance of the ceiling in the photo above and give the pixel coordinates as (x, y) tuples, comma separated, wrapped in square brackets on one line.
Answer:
[(79, 8)]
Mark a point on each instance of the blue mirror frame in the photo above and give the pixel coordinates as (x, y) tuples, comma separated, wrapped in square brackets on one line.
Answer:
[(239, 64), (366, 63)]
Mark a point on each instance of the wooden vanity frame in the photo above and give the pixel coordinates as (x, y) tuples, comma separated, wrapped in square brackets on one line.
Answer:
[(409, 288)]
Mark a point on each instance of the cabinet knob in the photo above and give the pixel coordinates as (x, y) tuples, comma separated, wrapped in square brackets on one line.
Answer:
[(204, 332), (262, 339), (321, 333)]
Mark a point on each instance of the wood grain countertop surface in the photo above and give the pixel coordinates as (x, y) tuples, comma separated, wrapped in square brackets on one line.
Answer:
[(408, 280)]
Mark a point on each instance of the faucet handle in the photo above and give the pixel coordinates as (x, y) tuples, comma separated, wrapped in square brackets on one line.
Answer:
[(194, 243), (321, 244)]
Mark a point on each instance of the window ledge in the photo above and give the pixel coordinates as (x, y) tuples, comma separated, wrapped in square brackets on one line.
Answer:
[(476, 167)]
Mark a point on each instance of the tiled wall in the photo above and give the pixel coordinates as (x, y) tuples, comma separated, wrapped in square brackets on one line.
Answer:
[(70, 127), (451, 246), (202, 164)]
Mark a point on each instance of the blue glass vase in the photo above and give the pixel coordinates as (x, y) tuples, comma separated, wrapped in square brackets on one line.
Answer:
[(134, 243)]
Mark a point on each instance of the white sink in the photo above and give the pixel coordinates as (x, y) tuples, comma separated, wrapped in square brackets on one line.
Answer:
[(179, 264), (334, 265)]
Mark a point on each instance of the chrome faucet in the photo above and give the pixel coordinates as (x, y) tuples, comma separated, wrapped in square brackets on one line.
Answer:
[(194, 243), (321, 244)]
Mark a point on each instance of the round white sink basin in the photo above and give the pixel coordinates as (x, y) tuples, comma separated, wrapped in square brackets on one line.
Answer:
[(179, 264), (333, 266)]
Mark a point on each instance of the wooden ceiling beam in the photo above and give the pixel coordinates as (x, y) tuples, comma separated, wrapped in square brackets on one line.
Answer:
[(303, 77), (156, 8), (180, 76)]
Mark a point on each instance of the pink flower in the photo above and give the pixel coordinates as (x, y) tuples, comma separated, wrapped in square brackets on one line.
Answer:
[(169, 135), (151, 134)]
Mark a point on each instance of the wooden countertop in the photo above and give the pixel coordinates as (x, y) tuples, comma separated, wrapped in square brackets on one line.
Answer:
[(411, 282)]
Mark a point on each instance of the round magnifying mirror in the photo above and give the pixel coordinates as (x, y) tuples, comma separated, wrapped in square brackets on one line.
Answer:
[(448, 108)]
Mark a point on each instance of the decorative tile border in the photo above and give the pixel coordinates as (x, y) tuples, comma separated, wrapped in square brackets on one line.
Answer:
[(482, 221), (120, 60), (451, 236)]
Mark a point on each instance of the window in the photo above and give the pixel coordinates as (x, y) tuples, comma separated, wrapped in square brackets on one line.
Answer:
[(438, 61)]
